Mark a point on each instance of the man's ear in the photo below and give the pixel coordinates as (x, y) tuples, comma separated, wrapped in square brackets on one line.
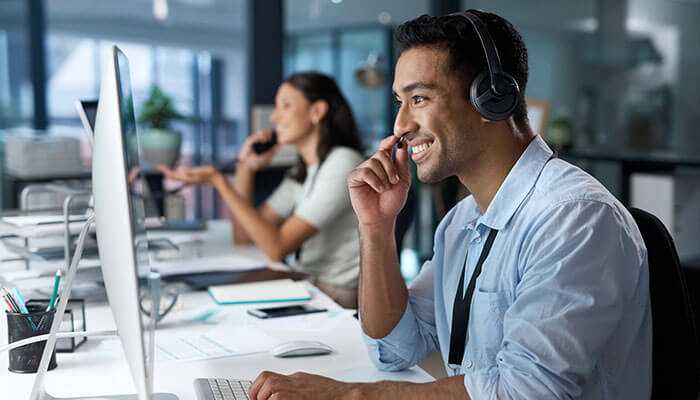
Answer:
[(319, 109)]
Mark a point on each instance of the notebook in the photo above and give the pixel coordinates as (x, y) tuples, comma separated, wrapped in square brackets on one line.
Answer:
[(260, 292)]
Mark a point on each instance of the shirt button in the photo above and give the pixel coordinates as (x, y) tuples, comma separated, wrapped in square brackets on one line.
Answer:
[(478, 239), (469, 364)]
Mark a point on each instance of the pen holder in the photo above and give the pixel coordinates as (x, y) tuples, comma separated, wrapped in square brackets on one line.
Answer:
[(73, 321), (38, 321)]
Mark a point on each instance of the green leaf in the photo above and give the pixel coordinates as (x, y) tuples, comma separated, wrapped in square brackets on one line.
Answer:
[(158, 110)]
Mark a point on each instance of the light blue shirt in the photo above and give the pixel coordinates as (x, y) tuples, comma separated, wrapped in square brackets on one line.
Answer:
[(561, 309)]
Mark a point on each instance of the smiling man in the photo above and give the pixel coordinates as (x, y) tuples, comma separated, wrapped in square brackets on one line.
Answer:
[(538, 286)]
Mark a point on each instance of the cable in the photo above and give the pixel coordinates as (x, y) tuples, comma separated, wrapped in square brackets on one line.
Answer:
[(61, 335)]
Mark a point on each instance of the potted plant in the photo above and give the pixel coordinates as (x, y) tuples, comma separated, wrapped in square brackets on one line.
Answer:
[(160, 144)]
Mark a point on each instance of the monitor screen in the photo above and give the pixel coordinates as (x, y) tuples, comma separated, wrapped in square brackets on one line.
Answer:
[(135, 184), (130, 142)]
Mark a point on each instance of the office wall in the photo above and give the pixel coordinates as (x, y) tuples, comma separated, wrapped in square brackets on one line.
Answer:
[(215, 29), (683, 17), (569, 55)]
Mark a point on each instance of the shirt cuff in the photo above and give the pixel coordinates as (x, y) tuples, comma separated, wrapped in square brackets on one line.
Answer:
[(394, 351)]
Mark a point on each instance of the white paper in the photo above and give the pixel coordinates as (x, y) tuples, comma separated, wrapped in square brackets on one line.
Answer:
[(230, 262), (224, 341)]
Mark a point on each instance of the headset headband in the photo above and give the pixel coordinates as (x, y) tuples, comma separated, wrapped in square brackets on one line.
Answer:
[(493, 61)]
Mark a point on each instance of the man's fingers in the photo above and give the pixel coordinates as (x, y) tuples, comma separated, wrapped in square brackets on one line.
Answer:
[(388, 165), (379, 171), (365, 176), (258, 383), (402, 166), (388, 142), (269, 387)]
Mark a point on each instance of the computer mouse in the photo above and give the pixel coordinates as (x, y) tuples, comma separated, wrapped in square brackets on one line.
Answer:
[(300, 348)]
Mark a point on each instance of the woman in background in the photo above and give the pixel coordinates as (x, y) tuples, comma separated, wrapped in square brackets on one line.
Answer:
[(310, 212)]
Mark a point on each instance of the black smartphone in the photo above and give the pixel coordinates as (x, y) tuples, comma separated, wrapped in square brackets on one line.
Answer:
[(261, 147), (285, 311)]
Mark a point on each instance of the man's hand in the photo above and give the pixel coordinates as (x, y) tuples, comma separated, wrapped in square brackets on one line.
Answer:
[(204, 174), (251, 160), (379, 186), (298, 386)]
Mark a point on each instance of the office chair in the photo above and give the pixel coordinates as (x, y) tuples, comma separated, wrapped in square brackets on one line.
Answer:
[(405, 218), (675, 372)]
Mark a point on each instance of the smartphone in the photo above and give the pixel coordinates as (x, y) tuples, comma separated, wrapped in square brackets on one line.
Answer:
[(286, 311), (261, 147)]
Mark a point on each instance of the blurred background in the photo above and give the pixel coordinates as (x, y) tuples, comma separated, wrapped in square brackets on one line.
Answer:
[(614, 86)]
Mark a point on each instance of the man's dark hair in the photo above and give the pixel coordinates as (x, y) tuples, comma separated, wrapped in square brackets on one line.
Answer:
[(466, 55)]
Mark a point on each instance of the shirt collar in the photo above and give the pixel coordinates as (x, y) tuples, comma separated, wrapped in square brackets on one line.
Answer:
[(515, 188)]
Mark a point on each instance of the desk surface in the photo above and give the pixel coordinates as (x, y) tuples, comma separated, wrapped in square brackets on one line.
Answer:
[(99, 366)]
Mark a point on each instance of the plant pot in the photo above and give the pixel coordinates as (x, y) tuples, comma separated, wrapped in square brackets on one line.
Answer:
[(159, 146)]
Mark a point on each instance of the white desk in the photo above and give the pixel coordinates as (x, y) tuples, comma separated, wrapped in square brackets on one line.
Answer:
[(99, 366)]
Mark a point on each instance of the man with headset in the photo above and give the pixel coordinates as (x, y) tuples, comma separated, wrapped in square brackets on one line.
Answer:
[(538, 286)]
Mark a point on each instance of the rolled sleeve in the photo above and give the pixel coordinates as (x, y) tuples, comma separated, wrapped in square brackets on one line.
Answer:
[(393, 352), (415, 335)]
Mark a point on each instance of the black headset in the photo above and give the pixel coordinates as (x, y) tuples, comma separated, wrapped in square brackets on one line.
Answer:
[(494, 93)]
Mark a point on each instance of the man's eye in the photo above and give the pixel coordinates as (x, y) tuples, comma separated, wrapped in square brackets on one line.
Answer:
[(397, 103), (418, 99)]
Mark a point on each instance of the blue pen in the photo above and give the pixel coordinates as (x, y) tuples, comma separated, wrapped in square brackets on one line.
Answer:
[(20, 301), (54, 292), (22, 304)]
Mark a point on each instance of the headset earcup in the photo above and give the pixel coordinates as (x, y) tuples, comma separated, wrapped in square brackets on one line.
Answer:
[(490, 105)]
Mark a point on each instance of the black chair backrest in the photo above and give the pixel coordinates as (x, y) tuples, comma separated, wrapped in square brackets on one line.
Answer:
[(675, 372)]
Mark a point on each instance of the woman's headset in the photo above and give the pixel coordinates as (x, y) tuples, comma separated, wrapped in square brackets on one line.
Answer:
[(494, 93)]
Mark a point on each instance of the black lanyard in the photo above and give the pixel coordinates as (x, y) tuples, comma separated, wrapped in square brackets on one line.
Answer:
[(460, 312)]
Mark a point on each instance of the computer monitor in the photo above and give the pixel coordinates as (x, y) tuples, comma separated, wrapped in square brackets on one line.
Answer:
[(120, 217)]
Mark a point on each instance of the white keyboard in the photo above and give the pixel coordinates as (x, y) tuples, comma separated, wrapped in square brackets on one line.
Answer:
[(221, 389)]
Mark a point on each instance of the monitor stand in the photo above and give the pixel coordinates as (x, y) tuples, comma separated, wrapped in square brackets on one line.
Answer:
[(38, 390)]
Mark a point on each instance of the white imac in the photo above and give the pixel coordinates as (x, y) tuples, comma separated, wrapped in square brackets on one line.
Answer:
[(120, 218)]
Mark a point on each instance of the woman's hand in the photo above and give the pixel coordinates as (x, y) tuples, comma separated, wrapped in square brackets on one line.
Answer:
[(192, 175), (249, 159)]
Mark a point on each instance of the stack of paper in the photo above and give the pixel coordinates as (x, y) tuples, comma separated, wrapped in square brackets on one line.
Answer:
[(40, 225), (227, 262)]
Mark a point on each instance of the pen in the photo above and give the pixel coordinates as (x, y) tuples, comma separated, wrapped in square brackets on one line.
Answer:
[(20, 301), (22, 304), (54, 292), (8, 303), (10, 300)]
